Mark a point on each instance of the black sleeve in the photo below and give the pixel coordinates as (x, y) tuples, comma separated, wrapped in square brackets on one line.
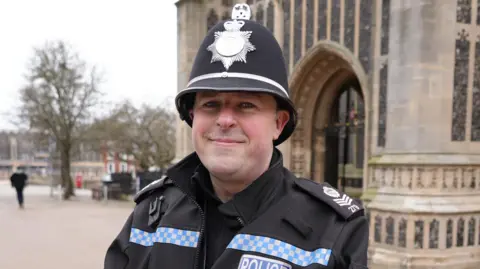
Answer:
[(116, 257), (355, 249)]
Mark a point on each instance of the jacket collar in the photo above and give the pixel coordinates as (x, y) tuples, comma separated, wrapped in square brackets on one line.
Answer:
[(247, 204), (181, 172)]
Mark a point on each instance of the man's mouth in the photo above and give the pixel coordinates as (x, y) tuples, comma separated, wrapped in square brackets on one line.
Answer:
[(226, 141)]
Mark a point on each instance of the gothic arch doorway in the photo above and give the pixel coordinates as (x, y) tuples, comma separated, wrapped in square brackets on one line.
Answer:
[(343, 140), (321, 83)]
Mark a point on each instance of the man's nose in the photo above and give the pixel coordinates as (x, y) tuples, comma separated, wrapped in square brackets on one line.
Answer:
[(226, 118)]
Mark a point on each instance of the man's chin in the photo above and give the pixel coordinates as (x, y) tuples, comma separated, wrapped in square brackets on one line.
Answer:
[(220, 167), (220, 151)]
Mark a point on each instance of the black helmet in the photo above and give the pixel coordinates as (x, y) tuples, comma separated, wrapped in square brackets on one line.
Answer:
[(239, 55)]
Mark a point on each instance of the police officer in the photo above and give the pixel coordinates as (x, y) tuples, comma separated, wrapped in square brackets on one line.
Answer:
[(232, 203)]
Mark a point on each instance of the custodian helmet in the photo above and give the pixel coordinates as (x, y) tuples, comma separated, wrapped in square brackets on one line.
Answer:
[(239, 55)]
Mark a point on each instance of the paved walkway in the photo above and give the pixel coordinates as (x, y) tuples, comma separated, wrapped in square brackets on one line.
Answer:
[(54, 234)]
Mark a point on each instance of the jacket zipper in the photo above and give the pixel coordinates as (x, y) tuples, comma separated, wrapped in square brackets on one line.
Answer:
[(241, 221), (202, 227)]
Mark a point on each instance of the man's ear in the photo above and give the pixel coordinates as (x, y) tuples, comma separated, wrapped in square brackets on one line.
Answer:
[(281, 119), (190, 113)]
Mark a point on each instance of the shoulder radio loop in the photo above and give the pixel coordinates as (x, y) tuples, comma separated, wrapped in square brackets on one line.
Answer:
[(163, 182)]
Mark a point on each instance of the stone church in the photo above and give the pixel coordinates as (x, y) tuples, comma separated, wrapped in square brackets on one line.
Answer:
[(388, 95)]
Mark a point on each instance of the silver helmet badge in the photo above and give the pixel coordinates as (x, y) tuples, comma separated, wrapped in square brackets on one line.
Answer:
[(232, 45)]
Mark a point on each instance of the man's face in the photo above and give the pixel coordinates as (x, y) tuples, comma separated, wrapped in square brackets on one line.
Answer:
[(233, 132)]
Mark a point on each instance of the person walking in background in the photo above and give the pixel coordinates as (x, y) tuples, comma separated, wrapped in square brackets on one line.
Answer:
[(19, 181)]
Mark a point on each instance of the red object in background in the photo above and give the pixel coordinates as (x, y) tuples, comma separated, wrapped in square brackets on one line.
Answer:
[(78, 181)]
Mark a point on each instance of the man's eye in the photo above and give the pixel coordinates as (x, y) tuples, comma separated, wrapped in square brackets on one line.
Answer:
[(247, 105), (210, 104)]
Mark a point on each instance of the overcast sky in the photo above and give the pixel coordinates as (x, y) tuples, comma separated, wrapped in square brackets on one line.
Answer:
[(134, 42)]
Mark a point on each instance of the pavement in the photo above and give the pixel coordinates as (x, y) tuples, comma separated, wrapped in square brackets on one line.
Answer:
[(56, 234)]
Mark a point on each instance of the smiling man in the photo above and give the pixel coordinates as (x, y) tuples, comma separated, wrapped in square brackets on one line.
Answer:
[(232, 203), (232, 136)]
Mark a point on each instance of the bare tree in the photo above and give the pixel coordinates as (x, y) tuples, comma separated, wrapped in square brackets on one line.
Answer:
[(58, 99), (146, 133)]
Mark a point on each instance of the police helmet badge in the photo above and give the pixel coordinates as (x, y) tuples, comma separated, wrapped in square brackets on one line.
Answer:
[(232, 45)]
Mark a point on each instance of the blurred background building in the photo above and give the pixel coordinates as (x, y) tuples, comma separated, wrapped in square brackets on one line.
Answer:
[(21, 150), (389, 107)]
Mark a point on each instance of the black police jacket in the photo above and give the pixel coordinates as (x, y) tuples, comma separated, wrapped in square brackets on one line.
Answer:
[(312, 226)]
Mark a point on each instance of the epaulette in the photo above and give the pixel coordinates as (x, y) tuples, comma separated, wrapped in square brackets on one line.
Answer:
[(155, 185), (343, 204)]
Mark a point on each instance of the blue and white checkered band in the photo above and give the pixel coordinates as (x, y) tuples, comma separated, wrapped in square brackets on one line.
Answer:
[(165, 235), (279, 249)]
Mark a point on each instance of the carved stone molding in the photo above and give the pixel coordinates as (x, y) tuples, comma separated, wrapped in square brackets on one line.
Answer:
[(431, 179), (424, 214)]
